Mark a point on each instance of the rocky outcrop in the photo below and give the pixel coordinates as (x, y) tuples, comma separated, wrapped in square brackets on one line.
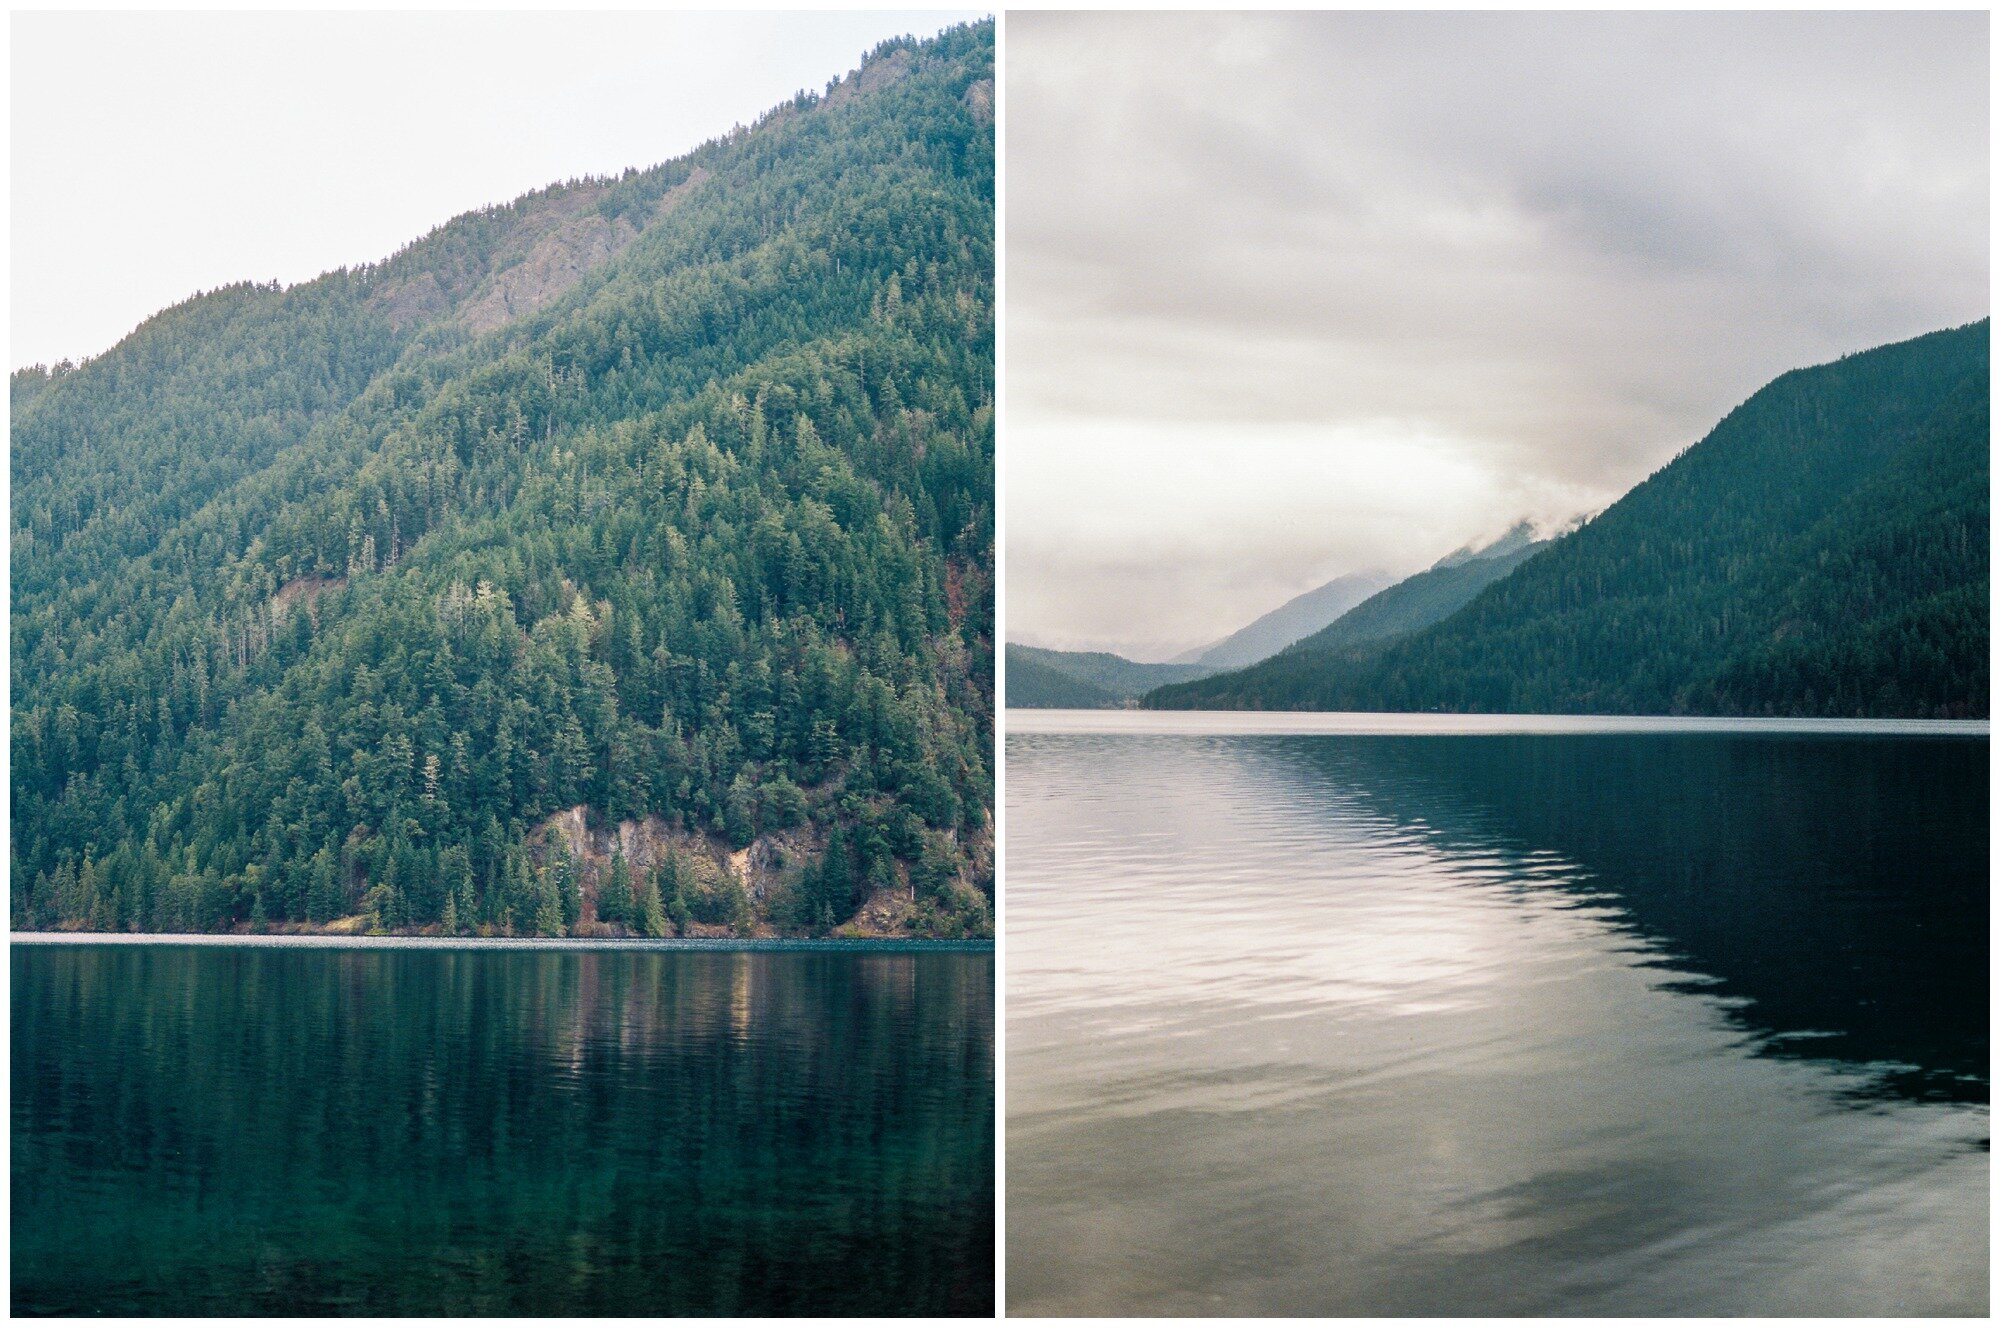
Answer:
[(877, 73), (769, 861), (677, 195), (979, 100), (301, 590), (412, 301), (553, 239), (550, 268), (769, 864)]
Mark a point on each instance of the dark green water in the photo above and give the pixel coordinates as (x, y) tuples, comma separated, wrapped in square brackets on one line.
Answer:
[(1625, 1019), (201, 1130)]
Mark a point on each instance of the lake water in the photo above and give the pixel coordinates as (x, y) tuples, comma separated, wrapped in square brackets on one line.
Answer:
[(1406, 1016), (263, 1129)]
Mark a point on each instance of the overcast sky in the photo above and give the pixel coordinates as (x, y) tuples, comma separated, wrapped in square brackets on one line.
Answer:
[(155, 155), (1301, 294)]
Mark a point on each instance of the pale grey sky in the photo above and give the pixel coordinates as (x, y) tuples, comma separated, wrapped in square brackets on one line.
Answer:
[(1292, 295), (156, 154)]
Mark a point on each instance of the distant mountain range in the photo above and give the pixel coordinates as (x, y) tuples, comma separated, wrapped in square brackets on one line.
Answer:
[(1077, 680), (1430, 596), (1823, 551), (1291, 621)]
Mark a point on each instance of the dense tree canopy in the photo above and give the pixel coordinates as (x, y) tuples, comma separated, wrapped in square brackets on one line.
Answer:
[(1823, 552), (668, 496)]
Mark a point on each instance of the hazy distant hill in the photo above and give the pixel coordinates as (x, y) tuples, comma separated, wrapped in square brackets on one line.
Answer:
[(660, 500), (1033, 683), (1430, 596), (1296, 618), (1084, 680), (1823, 551)]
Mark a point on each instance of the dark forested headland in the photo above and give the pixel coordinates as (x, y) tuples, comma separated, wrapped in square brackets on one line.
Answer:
[(1085, 680), (1822, 552), (616, 560)]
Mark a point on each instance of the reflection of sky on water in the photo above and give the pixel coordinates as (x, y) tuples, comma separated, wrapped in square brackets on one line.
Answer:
[(1309, 1024)]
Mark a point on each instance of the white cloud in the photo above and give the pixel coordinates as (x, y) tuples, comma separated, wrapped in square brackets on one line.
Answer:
[(1556, 247)]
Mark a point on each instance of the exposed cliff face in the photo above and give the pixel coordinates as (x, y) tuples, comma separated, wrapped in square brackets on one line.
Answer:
[(677, 195), (875, 73), (545, 268), (645, 844), (764, 869), (979, 100), (556, 239), (769, 864), (304, 591), (548, 240), (411, 301)]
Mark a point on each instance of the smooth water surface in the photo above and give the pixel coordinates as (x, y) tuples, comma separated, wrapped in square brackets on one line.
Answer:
[(1614, 1020), (251, 1130)]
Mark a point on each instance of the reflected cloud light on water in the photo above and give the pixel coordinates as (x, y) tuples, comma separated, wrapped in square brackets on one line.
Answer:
[(1497, 1023)]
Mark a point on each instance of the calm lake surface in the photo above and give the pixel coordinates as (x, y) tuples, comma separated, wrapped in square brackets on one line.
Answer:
[(262, 1130), (1524, 1017)]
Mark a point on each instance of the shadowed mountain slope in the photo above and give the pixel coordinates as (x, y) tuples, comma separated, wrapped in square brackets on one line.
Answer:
[(1823, 551)]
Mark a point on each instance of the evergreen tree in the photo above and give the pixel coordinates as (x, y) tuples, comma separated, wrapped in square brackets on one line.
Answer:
[(614, 901), (651, 915), (548, 913), (569, 891), (669, 885)]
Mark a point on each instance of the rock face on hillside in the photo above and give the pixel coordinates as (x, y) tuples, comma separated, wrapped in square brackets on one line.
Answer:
[(554, 239), (551, 266), (763, 870), (979, 100), (770, 863)]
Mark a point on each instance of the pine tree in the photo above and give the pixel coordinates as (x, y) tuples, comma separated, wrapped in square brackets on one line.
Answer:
[(652, 916), (669, 885), (548, 914), (569, 891), (614, 902)]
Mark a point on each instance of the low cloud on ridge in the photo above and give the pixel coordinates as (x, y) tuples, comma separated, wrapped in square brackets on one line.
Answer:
[(1291, 295)]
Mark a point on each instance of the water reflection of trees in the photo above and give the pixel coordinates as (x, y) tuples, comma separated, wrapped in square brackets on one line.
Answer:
[(585, 1133), (1837, 886)]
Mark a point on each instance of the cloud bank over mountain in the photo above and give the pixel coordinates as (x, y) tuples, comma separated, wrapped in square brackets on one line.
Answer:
[(1295, 294)]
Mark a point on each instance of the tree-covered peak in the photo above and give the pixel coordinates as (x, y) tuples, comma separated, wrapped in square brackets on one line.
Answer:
[(1822, 551), (665, 501)]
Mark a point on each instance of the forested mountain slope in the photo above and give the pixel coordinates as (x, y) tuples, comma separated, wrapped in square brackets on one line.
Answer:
[(1824, 551), (667, 498)]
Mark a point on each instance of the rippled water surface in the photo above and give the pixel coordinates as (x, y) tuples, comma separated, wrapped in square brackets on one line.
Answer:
[(206, 1130), (1648, 1021)]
